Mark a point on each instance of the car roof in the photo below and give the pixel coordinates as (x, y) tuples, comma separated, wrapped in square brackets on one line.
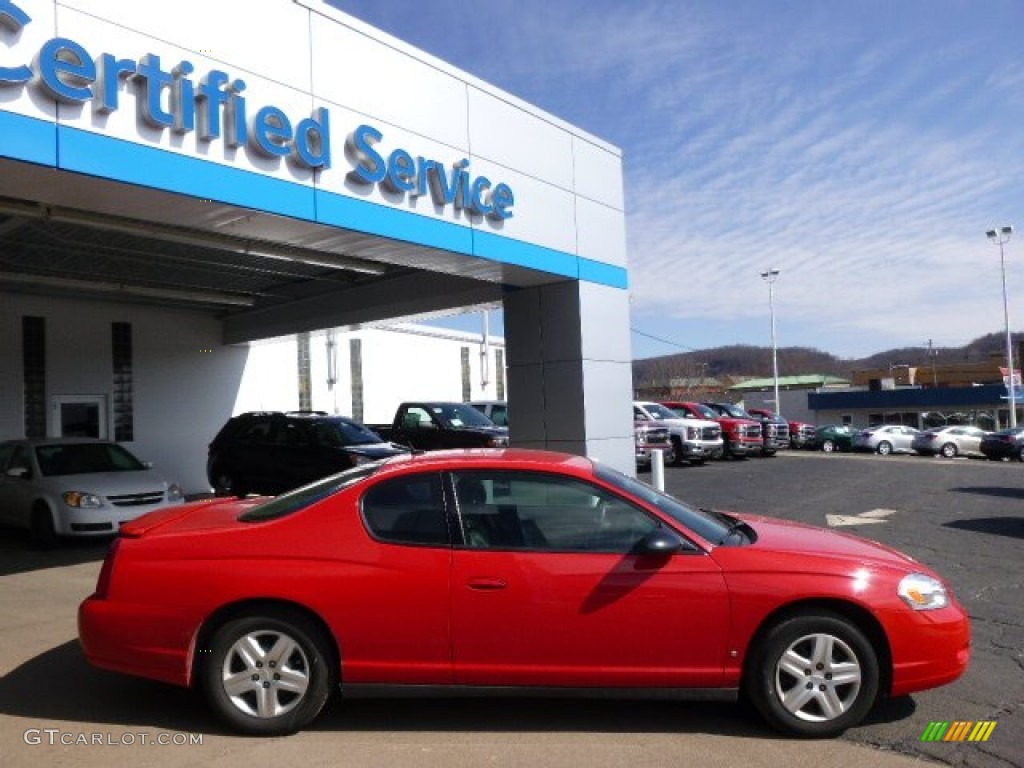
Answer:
[(490, 458)]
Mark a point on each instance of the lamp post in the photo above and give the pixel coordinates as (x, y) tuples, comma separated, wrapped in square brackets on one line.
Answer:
[(770, 277), (1001, 237)]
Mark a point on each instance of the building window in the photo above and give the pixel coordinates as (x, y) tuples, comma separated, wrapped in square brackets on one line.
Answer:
[(33, 363), (499, 373), (355, 364), (124, 412), (305, 379), (467, 389)]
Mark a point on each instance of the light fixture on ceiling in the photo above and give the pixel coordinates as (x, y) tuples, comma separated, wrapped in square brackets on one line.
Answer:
[(196, 238), (127, 289)]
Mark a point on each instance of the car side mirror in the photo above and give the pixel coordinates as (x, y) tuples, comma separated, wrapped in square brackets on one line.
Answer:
[(660, 542)]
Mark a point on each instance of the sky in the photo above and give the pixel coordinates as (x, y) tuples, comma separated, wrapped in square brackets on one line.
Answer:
[(861, 148)]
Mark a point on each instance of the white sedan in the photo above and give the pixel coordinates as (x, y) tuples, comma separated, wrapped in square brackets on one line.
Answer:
[(76, 487), (885, 439)]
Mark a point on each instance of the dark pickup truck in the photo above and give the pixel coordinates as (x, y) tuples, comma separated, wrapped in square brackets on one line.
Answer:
[(435, 426)]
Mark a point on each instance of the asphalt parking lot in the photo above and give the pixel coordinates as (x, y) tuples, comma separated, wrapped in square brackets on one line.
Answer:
[(962, 517)]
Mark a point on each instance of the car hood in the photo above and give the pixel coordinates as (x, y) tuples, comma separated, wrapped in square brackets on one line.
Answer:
[(786, 537), (494, 431), (376, 450), (105, 483)]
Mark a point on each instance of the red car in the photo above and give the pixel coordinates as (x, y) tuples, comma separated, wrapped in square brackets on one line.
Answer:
[(509, 569)]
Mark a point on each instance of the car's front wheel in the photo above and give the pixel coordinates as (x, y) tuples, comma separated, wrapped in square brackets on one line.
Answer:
[(828, 446), (1020, 454), (42, 529), (225, 484), (267, 675), (813, 675)]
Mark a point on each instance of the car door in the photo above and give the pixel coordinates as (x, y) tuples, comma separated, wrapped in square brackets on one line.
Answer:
[(545, 590), (392, 597)]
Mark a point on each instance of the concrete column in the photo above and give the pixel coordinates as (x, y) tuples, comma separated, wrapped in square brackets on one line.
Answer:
[(570, 371)]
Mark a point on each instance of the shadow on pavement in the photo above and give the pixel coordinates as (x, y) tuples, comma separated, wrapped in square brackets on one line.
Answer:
[(19, 555), (998, 526), (60, 686), (987, 490)]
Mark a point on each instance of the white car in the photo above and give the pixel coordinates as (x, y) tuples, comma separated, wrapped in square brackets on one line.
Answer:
[(76, 487), (693, 440), (949, 441), (885, 439)]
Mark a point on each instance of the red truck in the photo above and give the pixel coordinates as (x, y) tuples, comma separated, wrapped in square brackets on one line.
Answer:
[(742, 437)]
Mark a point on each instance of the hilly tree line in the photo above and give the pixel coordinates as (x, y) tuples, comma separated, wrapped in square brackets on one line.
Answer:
[(749, 361)]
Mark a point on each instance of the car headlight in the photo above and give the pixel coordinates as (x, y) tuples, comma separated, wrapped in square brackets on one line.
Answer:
[(922, 592), (498, 442), (174, 492), (81, 500)]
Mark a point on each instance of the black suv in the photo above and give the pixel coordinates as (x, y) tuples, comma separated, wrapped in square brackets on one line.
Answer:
[(270, 452)]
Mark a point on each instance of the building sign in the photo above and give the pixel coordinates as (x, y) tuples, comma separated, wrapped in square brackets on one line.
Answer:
[(213, 105)]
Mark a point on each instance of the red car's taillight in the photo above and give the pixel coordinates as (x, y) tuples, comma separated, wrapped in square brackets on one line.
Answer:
[(103, 582)]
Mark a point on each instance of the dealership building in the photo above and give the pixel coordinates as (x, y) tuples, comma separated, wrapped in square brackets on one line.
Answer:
[(180, 184)]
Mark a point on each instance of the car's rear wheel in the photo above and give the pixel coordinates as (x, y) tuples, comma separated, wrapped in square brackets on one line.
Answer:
[(42, 530), (948, 450), (828, 446), (267, 675), (884, 448), (813, 675)]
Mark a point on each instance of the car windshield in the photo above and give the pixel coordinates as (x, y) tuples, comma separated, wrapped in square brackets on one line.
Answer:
[(85, 458), (338, 433), (659, 411), (456, 415), (733, 410), (307, 495), (702, 409), (697, 520)]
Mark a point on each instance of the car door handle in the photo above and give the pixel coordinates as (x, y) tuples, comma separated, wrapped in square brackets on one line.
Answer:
[(487, 585)]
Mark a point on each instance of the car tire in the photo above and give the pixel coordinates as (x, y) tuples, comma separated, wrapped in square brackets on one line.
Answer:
[(240, 686), (675, 457), (948, 450), (884, 448), (828, 446), (225, 484), (42, 530), (1020, 454), (791, 675)]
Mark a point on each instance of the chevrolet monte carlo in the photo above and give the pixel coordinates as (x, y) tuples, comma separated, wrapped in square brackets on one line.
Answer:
[(490, 571)]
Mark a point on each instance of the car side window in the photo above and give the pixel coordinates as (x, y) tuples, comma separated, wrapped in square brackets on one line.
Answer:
[(407, 510), (499, 415), (541, 512), (257, 433), (5, 456), (20, 459)]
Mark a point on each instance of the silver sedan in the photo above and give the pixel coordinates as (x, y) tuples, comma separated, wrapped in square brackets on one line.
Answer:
[(885, 439), (76, 487), (949, 441)]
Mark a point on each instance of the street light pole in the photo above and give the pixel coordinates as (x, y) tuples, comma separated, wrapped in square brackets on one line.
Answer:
[(1001, 238), (770, 277)]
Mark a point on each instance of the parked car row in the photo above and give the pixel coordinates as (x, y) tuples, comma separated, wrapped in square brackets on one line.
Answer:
[(948, 441)]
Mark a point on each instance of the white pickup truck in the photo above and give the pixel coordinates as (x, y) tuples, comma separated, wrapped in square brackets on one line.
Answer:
[(694, 440)]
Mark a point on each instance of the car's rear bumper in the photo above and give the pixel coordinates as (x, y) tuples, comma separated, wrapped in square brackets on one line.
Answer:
[(159, 645)]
